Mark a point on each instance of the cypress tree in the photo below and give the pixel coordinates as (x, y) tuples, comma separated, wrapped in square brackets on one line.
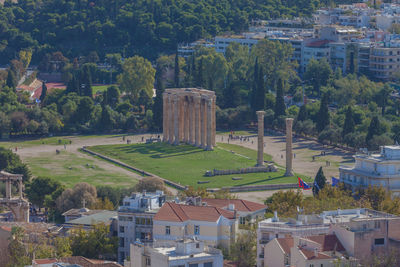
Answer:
[(86, 81), (280, 108), (177, 70), (44, 92), (349, 125), (158, 102), (323, 118), (373, 129), (253, 94), (319, 181), (260, 93), (199, 79), (73, 85), (11, 80), (303, 113)]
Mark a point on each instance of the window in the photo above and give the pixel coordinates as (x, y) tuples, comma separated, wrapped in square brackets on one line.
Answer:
[(197, 245), (208, 264), (197, 230), (121, 229), (122, 242), (148, 261), (311, 265), (377, 225), (379, 241), (193, 265), (167, 230), (122, 255), (322, 265)]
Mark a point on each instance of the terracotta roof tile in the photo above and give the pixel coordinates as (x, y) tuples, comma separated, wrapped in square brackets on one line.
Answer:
[(45, 261), (310, 255), (180, 213), (286, 243), (328, 242), (240, 205), (84, 262)]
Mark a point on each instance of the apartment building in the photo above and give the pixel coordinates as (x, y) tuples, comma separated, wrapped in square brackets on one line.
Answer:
[(135, 219), (247, 39), (317, 250), (303, 226), (182, 253), (375, 169), (369, 232), (214, 226)]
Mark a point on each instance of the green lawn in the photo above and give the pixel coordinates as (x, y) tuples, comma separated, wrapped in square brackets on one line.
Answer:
[(69, 169), (187, 164), (100, 88)]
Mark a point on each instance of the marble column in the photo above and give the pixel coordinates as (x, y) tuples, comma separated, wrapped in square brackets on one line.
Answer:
[(187, 121), (171, 121), (20, 187), (260, 157), (210, 124), (165, 117), (197, 120), (214, 128), (181, 117), (203, 114), (191, 120), (289, 152), (176, 120)]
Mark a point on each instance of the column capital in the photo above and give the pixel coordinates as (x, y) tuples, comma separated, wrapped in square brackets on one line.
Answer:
[(260, 113)]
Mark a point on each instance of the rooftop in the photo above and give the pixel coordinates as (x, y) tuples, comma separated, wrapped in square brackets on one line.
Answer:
[(101, 217), (180, 213), (239, 204)]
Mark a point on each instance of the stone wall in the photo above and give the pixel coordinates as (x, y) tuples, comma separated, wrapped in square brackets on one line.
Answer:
[(268, 168)]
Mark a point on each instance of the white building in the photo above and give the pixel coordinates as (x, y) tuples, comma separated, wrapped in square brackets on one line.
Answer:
[(184, 253), (135, 220), (382, 169), (247, 39)]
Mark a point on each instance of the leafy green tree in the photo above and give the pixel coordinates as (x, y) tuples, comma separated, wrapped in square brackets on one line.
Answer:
[(62, 247), (137, 75), (323, 117), (86, 81), (243, 251), (280, 108), (44, 92), (382, 97), (255, 87), (111, 96), (18, 252), (96, 243), (40, 187), (317, 74), (5, 124), (303, 113), (319, 182), (284, 202), (349, 125), (12, 163)]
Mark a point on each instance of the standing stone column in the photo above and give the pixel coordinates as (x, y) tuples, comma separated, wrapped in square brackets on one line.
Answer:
[(210, 124), (165, 117), (203, 114), (197, 120), (176, 120), (289, 152), (260, 157), (185, 121), (171, 123), (214, 128), (181, 117), (191, 120)]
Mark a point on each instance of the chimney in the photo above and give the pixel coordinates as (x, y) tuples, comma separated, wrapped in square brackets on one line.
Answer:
[(234, 214), (315, 252), (275, 219), (231, 207)]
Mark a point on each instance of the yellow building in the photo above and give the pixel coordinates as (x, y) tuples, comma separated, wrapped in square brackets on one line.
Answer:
[(214, 226)]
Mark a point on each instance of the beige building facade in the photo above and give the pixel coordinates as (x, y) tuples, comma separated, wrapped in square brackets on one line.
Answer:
[(189, 117), (213, 226)]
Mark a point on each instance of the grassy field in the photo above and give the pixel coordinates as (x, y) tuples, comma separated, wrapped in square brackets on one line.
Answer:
[(69, 169), (100, 88), (187, 164)]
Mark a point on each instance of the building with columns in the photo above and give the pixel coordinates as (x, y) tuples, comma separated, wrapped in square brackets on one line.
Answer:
[(189, 117)]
